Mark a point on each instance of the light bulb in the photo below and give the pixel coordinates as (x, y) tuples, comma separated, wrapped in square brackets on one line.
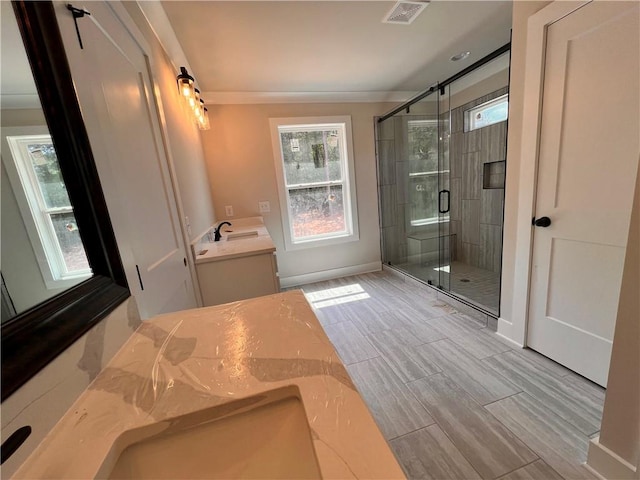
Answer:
[(195, 100), (186, 88), (186, 85), (199, 110), (203, 123)]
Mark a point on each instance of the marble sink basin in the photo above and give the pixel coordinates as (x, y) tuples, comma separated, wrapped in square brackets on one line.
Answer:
[(263, 436), (242, 235)]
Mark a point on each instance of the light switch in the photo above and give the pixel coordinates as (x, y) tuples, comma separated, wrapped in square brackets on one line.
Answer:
[(228, 211), (264, 207)]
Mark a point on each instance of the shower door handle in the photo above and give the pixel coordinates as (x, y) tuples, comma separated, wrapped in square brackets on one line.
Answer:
[(440, 193)]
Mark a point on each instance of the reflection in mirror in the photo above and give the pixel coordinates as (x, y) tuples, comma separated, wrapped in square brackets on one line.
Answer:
[(41, 232), (41, 251)]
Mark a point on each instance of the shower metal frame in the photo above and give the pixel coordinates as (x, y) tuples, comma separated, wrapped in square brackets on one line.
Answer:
[(441, 85)]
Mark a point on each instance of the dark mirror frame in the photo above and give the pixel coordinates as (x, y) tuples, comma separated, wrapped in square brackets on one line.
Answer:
[(35, 337)]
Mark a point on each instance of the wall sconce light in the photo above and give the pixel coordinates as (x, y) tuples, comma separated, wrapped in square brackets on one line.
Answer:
[(191, 96)]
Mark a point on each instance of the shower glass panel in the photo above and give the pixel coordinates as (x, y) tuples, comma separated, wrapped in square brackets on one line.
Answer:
[(441, 172), (446, 235), (409, 184)]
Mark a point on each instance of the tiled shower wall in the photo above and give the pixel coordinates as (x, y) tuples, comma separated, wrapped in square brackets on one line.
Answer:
[(391, 145), (476, 214), (393, 184)]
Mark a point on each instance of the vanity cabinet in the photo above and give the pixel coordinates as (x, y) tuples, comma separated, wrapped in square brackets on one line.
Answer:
[(238, 278)]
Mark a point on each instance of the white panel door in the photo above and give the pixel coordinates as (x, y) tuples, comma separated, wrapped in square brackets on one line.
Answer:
[(588, 160), (115, 93)]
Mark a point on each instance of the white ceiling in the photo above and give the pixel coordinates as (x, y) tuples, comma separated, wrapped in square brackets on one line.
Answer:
[(331, 47), (290, 50), (17, 87)]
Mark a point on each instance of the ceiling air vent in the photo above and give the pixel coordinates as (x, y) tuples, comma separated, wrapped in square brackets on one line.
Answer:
[(405, 12)]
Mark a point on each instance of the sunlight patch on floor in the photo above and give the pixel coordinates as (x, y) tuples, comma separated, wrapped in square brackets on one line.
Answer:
[(337, 295)]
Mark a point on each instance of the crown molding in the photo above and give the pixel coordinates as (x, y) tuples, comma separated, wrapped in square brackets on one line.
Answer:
[(235, 98), (161, 26)]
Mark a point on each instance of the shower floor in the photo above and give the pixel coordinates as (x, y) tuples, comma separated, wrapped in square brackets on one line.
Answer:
[(476, 285)]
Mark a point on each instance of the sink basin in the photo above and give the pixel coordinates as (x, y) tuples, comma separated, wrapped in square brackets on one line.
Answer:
[(241, 235), (264, 436)]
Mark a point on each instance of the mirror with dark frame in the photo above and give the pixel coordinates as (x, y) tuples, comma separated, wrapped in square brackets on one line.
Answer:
[(42, 251), (61, 270)]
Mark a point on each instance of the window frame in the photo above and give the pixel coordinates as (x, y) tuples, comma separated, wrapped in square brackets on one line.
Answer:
[(35, 215), (342, 123), (468, 113)]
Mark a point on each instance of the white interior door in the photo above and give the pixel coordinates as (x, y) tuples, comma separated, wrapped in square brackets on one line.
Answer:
[(114, 89), (588, 158)]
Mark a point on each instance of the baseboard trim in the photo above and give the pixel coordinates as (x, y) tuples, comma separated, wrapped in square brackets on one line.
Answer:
[(507, 339), (606, 464), (505, 330), (297, 280)]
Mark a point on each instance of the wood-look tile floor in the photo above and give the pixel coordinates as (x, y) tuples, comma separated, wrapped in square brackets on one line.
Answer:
[(476, 285), (453, 399)]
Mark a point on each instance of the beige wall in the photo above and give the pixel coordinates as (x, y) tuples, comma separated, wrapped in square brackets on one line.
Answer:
[(184, 141), (22, 117), (490, 84), (242, 173), (620, 431), (522, 10)]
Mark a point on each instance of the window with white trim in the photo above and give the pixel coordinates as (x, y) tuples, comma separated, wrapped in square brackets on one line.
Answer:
[(314, 166), (422, 152), (487, 113), (44, 204)]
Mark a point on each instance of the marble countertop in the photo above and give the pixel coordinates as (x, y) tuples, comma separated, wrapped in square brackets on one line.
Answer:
[(184, 362), (208, 251)]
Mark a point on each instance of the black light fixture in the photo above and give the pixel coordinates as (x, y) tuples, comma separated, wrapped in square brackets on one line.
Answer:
[(191, 96)]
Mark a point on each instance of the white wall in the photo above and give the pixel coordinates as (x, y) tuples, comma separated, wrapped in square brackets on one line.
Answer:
[(242, 173), (620, 430), (43, 400), (184, 144), (522, 10)]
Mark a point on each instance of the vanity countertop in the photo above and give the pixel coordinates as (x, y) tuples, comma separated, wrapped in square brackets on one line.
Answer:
[(208, 251), (184, 362)]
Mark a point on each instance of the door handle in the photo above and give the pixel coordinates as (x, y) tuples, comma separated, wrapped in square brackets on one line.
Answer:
[(440, 209), (541, 222)]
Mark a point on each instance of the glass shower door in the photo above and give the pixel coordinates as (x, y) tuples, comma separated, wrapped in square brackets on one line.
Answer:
[(422, 194), (444, 190), (473, 119), (441, 173)]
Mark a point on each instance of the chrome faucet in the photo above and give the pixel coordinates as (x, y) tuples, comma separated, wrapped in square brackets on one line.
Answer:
[(217, 231)]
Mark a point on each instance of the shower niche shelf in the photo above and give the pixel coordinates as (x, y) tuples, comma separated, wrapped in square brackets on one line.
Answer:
[(493, 175)]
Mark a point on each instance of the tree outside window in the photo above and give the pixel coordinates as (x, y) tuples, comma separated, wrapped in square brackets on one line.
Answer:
[(423, 171), (54, 233), (315, 180)]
